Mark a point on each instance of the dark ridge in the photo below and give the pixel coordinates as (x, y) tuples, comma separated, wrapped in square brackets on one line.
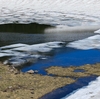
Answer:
[(67, 90), (23, 28)]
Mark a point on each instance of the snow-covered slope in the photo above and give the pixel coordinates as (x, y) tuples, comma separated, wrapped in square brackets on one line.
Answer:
[(58, 12)]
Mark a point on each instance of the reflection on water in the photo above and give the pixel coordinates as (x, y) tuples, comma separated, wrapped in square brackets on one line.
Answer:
[(21, 33), (36, 33), (12, 38), (23, 28)]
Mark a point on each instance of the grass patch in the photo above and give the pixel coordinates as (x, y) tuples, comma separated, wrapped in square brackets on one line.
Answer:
[(14, 85), (18, 85), (69, 71)]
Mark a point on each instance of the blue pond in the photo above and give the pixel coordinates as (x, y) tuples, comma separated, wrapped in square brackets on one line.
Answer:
[(66, 57)]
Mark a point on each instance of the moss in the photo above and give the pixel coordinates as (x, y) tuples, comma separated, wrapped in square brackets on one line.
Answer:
[(28, 86)]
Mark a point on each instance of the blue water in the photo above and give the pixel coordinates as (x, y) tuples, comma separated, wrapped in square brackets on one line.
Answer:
[(66, 57), (66, 90)]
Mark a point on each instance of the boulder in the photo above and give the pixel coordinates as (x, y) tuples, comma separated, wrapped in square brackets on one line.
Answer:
[(31, 72)]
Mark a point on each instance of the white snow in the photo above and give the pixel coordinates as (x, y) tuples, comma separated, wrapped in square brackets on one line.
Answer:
[(5, 54), (23, 53), (97, 31), (92, 42), (92, 91), (13, 45), (58, 12), (43, 47)]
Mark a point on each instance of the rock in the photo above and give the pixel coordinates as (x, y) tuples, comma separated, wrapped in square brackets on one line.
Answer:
[(30, 72), (5, 62), (32, 92), (10, 87), (17, 72), (11, 70)]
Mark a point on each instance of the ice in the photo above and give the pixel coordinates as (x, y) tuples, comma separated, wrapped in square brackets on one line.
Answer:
[(37, 47), (5, 54), (13, 45), (11, 53), (44, 47), (15, 62), (22, 54), (88, 92), (20, 61), (92, 42), (98, 31)]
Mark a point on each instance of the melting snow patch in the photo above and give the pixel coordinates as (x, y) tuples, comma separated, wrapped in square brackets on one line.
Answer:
[(5, 54), (56, 44), (20, 61), (88, 43), (44, 47), (88, 92), (13, 46), (98, 31), (22, 53)]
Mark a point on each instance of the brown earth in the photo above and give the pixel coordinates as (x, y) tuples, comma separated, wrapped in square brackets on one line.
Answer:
[(17, 85)]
